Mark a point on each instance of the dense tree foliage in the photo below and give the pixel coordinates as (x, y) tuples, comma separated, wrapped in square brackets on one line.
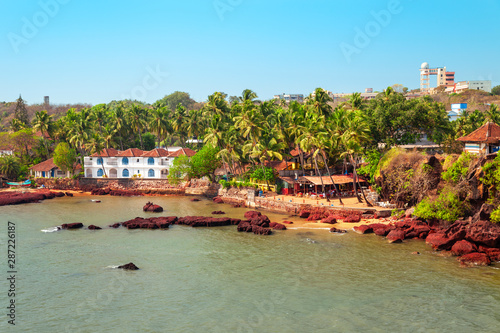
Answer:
[(65, 157)]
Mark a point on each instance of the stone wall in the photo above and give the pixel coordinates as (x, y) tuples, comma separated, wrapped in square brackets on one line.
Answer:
[(58, 183), (157, 186)]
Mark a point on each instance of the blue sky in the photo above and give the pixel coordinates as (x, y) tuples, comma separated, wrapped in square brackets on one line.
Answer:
[(98, 51)]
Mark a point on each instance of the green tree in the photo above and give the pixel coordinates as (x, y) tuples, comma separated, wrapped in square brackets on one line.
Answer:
[(10, 166), (23, 140), (43, 123), (171, 101), (20, 112), (319, 100), (65, 157), (204, 163), (495, 90), (180, 170)]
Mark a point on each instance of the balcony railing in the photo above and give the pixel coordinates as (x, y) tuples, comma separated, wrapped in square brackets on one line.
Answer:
[(111, 163), (87, 163), (163, 163)]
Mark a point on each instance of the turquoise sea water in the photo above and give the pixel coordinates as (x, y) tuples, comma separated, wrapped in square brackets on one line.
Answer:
[(219, 280)]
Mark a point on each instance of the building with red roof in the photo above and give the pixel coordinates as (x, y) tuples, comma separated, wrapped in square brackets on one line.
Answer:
[(47, 169), (484, 140), (133, 162)]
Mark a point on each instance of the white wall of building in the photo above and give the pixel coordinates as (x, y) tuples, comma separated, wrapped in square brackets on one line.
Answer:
[(117, 167)]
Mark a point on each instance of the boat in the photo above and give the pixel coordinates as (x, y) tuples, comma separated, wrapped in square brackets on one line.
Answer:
[(26, 183)]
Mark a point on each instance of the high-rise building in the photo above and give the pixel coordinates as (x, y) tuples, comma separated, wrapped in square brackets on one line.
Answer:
[(46, 100)]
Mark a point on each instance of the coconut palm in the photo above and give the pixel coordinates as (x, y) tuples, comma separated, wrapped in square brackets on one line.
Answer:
[(319, 100), (159, 123), (137, 117), (43, 123), (493, 114), (10, 166), (356, 132), (247, 95)]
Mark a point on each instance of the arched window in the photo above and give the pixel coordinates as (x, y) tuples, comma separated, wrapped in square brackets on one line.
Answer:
[(151, 161), (99, 173), (125, 173), (99, 161), (125, 161), (151, 173)]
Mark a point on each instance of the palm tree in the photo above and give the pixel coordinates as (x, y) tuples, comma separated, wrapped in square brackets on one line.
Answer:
[(493, 114), (159, 123), (355, 102), (118, 118), (265, 150), (43, 123), (355, 133), (319, 100), (97, 144), (9, 166), (247, 95), (137, 116)]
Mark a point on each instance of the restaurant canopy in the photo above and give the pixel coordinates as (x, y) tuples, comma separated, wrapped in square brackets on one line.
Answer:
[(338, 179)]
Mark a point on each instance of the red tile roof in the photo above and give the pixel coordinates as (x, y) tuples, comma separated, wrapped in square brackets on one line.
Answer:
[(45, 165), (106, 152), (488, 133), (183, 151), (157, 152), (131, 152)]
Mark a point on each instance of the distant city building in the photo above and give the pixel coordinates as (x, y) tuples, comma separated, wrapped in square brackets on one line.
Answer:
[(456, 110), (368, 90), (365, 96), (484, 85), (444, 78), (290, 97), (46, 100)]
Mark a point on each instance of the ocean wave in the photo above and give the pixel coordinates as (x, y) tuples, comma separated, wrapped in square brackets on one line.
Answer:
[(112, 266), (52, 229)]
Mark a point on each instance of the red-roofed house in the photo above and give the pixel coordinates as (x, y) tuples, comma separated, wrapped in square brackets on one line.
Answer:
[(484, 140), (47, 169)]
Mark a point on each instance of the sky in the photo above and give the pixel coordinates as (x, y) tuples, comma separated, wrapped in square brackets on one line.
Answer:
[(78, 51)]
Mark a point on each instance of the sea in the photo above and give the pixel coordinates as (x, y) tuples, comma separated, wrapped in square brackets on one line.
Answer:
[(220, 280)]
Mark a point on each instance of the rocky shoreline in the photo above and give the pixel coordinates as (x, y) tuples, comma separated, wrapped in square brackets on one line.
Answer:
[(476, 241)]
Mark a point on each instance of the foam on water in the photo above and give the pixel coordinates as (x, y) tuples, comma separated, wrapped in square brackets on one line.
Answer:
[(52, 229)]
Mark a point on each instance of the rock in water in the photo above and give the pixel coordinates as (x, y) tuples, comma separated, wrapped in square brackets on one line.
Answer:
[(129, 266), (94, 227), (77, 225), (151, 207)]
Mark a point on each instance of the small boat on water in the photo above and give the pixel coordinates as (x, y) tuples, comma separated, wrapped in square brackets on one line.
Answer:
[(26, 183)]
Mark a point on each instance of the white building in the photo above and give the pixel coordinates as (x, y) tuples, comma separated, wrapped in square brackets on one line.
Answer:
[(484, 85), (133, 162), (290, 97)]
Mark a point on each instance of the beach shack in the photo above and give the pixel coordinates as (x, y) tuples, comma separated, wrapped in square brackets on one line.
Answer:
[(342, 185), (485, 140)]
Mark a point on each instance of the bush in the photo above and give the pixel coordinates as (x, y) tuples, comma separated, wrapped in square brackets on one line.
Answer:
[(458, 171), (259, 174), (447, 207), (224, 183), (386, 160)]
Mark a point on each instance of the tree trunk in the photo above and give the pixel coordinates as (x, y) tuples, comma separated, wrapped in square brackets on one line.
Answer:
[(320, 177), (264, 172), (301, 156), (140, 139), (330, 175), (354, 180), (359, 184)]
